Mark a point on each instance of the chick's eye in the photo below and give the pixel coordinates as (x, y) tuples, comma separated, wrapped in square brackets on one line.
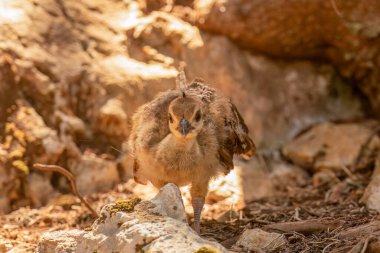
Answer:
[(170, 118), (198, 116)]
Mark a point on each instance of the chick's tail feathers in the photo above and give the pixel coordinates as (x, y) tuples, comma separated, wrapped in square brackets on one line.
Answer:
[(250, 148), (244, 144)]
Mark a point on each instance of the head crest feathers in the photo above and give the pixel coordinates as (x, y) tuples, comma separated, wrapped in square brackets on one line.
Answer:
[(181, 83)]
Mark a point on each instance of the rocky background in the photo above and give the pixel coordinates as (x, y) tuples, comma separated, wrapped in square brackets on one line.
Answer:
[(305, 76)]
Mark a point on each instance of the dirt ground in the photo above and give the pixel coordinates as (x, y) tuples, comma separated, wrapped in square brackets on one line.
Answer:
[(337, 208)]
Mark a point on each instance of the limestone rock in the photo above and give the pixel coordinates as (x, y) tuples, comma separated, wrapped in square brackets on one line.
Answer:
[(254, 239), (165, 206), (277, 29), (149, 226), (329, 145)]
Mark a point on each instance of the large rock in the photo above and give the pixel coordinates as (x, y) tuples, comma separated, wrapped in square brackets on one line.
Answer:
[(330, 146), (346, 33), (128, 226), (266, 27)]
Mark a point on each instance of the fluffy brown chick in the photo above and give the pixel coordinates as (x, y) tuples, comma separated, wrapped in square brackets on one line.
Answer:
[(187, 136)]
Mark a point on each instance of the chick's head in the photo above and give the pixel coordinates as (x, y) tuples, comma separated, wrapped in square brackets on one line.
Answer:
[(185, 117)]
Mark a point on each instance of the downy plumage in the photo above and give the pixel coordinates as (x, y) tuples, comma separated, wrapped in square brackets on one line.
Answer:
[(186, 136)]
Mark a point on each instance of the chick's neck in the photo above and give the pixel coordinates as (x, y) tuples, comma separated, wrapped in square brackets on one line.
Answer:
[(182, 142)]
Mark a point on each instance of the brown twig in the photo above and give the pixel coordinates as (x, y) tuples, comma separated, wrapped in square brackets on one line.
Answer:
[(366, 242), (297, 214), (357, 248), (361, 246), (328, 246), (304, 227), (70, 177), (349, 173), (256, 221), (313, 213)]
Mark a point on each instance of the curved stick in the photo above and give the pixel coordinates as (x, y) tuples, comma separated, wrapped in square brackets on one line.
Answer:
[(70, 177)]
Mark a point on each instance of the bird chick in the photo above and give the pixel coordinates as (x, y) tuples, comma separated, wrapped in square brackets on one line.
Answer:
[(187, 136)]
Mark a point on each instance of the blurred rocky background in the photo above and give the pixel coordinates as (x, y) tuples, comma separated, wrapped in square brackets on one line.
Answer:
[(305, 76)]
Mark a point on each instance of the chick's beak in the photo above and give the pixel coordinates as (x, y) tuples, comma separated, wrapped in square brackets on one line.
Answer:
[(185, 127)]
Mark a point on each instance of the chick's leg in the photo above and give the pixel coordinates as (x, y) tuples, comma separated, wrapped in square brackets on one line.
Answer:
[(197, 203), (198, 193)]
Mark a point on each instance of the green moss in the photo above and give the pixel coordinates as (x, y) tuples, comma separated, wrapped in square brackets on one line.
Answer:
[(125, 205), (88, 229), (204, 249)]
